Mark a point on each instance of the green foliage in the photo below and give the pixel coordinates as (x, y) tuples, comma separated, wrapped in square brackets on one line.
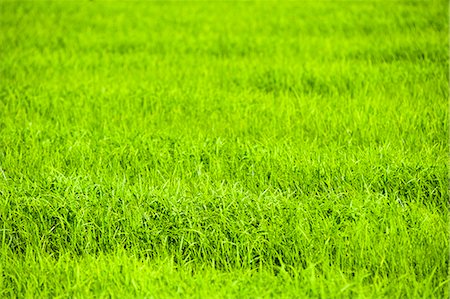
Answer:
[(224, 150)]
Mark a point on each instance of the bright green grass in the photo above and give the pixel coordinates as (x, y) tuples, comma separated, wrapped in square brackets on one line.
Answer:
[(224, 150)]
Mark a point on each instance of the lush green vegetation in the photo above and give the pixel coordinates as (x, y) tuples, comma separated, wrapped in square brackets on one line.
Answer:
[(224, 150)]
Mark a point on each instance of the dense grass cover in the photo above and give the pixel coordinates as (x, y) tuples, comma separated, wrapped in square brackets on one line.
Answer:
[(224, 150)]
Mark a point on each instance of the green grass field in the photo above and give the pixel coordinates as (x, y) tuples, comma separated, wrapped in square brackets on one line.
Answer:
[(224, 149)]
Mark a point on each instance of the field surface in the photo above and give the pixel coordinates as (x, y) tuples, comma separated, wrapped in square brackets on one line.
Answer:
[(292, 149)]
